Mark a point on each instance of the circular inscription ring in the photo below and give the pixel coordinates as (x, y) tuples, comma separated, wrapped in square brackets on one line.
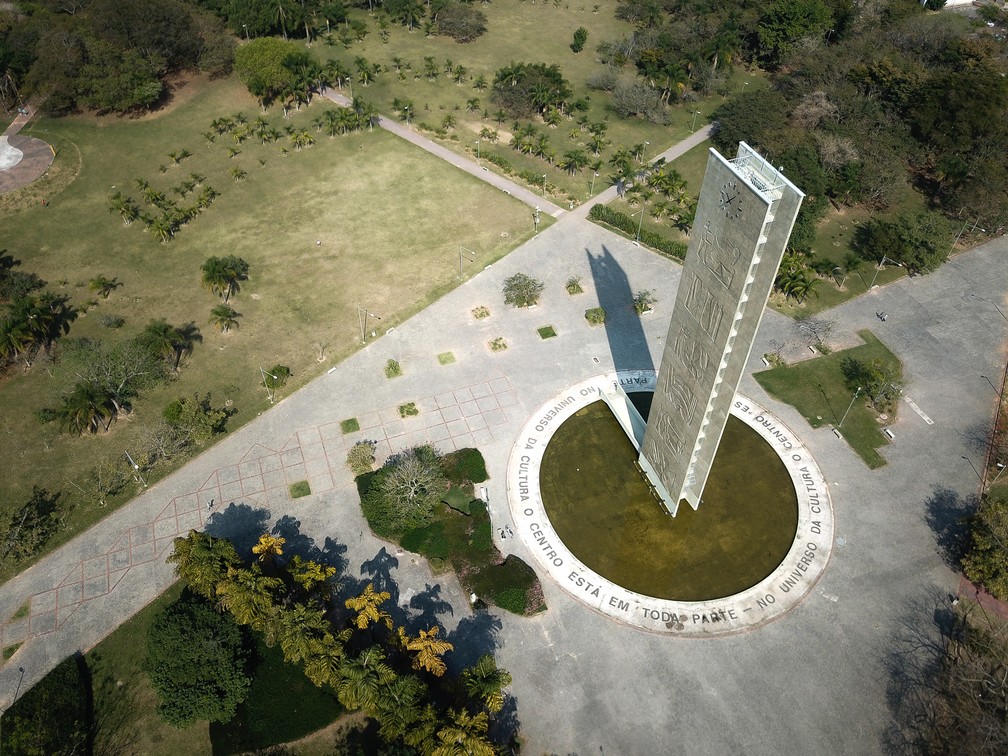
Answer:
[(785, 587)]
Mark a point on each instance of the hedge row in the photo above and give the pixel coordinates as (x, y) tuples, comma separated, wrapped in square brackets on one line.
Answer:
[(627, 224)]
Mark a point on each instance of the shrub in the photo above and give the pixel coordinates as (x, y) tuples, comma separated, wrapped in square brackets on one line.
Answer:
[(404, 493), (580, 37), (429, 541), (501, 162), (445, 358), (595, 316), (465, 465), (510, 599), (361, 457), (480, 312), (498, 344), (276, 376), (482, 537), (546, 332), (573, 285), (112, 321), (408, 410), (521, 290), (392, 369), (642, 301), (458, 499), (300, 489), (461, 22), (986, 559), (350, 425), (626, 224)]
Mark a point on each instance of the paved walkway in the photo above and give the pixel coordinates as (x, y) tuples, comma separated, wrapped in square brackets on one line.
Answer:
[(813, 681), (24, 158)]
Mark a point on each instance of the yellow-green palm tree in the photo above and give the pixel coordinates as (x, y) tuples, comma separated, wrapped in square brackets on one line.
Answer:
[(249, 595), (361, 679), (464, 735), (367, 606), (429, 650), (485, 682), (325, 657), (269, 547), (202, 562)]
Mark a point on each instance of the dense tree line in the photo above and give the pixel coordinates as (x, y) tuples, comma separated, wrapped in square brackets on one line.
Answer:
[(107, 55), (371, 663)]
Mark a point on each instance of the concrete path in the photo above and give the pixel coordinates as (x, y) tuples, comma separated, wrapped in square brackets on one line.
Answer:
[(815, 681)]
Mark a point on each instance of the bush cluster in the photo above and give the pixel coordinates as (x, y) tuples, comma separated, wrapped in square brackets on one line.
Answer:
[(626, 224)]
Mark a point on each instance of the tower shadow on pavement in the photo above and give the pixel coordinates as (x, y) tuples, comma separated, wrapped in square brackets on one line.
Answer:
[(624, 331)]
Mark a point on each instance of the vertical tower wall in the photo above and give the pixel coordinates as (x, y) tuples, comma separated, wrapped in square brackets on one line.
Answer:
[(744, 219)]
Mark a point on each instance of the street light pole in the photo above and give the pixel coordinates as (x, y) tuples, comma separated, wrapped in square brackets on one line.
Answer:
[(591, 192), (544, 185), (535, 219), (362, 316), (136, 469), (879, 269), (639, 224), (472, 256), (477, 150), (693, 127), (853, 399), (245, 27), (269, 391)]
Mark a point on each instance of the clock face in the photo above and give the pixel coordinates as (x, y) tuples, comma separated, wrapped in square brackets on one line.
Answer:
[(731, 200)]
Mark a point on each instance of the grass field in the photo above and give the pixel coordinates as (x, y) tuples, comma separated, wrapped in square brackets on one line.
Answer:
[(816, 388), (389, 218), (530, 33)]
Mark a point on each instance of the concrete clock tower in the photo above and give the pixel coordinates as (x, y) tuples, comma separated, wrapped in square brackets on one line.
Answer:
[(744, 218)]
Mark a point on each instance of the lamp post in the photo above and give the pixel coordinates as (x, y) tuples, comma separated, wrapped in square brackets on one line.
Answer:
[(136, 469), (644, 152), (245, 27), (544, 185), (693, 127), (1001, 468), (269, 390), (472, 257), (853, 399), (535, 219), (744, 85), (879, 269), (639, 224), (362, 316), (477, 150), (591, 192)]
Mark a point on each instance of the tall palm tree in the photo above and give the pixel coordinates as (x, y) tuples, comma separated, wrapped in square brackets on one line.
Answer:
[(224, 317), (223, 275), (202, 561), (298, 630), (249, 595), (429, 650), (574, 161), (361, 679), (464, 735), (400, 706), (269, 547), (324, 659), (367, 605), (485, 682)]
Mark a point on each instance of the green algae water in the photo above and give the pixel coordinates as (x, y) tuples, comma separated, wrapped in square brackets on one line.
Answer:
[(600, 506)]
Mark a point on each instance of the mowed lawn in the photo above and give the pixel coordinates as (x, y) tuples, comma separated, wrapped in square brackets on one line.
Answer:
[(389, 218), (816, 388)]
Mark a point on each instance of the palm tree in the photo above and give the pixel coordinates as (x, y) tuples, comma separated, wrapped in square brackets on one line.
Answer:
[(249, 595), (223, 275), (324, 659), (400, 706), (298, 630), (361, 679), (429, 650), (104, 286), (280, 17), (269, 547), (87, 407), (224, 317), (485, 682), (574, 161), (203, 562), (510, 74), (367, 607), (473, 104), (464, 735)]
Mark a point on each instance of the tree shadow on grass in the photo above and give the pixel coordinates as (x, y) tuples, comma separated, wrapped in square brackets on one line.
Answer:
[(946, 513), (241, 524)]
